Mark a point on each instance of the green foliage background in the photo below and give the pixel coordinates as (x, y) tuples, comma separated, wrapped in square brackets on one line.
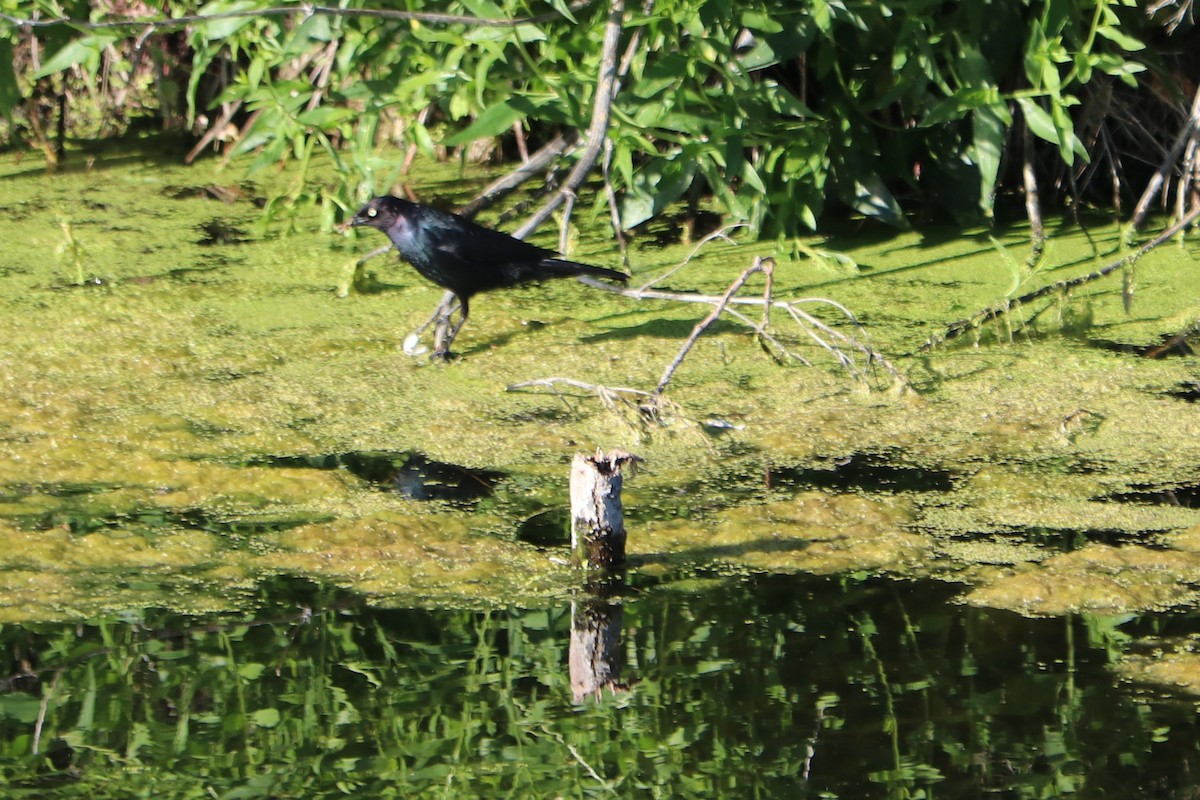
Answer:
[(774, 109)]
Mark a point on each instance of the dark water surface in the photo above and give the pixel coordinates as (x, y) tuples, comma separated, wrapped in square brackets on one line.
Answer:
[(773, 686)]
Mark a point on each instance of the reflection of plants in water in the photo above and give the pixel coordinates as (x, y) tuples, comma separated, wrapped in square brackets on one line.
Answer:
[(783, 687)]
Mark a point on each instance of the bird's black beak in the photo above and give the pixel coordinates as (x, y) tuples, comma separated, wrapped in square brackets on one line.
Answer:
[(353, 222)]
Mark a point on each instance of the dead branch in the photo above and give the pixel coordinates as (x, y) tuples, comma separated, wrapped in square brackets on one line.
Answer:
[(1033, 208), (703, 324), (642, 406), (605, 392), (597, 130), (720, 233), (1174, 341), (1186, 133), (172, 23), (959, 327), (611, 195), (781, 354), (214, 131), (536, 163), (812, 326)]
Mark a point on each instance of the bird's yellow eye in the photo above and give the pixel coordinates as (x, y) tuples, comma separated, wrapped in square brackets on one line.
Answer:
[(371, 212)]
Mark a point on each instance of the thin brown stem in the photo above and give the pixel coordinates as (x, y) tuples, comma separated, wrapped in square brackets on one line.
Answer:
[(597, 129), (1186, 133), (163, 23), (535, 165), (702, 326), (956, 329), (1033, 209)]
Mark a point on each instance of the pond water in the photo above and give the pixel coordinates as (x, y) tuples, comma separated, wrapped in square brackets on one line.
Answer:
[(767, 686), (252, 549)]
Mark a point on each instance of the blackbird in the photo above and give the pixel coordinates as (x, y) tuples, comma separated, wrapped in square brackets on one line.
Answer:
[(463, 257)]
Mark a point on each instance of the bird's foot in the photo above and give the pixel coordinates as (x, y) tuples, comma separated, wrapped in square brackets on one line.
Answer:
[(413, 346)]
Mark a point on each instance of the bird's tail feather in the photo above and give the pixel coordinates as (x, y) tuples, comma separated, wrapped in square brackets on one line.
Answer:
[(558, 266)]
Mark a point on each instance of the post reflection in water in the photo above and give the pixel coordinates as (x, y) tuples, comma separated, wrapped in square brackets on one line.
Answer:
[(595, 650), (769, 686)]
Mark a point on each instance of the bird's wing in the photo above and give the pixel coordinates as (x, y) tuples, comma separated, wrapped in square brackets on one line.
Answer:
[(474, 244)]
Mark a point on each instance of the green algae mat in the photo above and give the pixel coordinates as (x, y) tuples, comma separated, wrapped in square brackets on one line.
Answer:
[(189, 402)]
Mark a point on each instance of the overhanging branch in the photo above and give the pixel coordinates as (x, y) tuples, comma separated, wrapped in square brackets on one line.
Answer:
[(170, 23)]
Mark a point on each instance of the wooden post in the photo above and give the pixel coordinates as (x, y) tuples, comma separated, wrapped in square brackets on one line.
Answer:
[(597, 517)]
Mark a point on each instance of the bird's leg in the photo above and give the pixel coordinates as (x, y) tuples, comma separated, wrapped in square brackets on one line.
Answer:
[(441, 313), (441, 337), (445, 333), (454, 331)]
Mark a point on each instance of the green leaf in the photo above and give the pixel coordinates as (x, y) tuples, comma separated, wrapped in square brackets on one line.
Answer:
[(21, 707), (325, 117), (218, 29), (75, 52), (1120, 39), (1039, 121), (561, 7), (496, 120), (758, 21), (783, 101), (989, 127), (869, 196), (255, 72), (423, 140), (266, 717), (484, 9), (251, 671), (654, 188)]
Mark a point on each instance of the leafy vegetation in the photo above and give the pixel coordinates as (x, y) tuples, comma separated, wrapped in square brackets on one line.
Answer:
[(771, 110)]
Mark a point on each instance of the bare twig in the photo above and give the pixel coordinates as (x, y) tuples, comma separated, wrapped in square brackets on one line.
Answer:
[(643, 406), (537, 162), (171, 23), (320, 76), (1173, 341), (564, 228), (378, 251), (1174, 20), (1033, 209), (607, 391), (959, 327), (1186, 133), (611, 195), (215, 130), (812, 326), (766, 336), (720, 233), (703, 324), (522, 145), (597, 129), (47, 700)]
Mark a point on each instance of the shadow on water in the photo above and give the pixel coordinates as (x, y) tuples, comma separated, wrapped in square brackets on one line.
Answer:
[(772, 686), (1172, 345), (82, 510), (1187, 496), (1189, 391), (873, 471), (412, 475)]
